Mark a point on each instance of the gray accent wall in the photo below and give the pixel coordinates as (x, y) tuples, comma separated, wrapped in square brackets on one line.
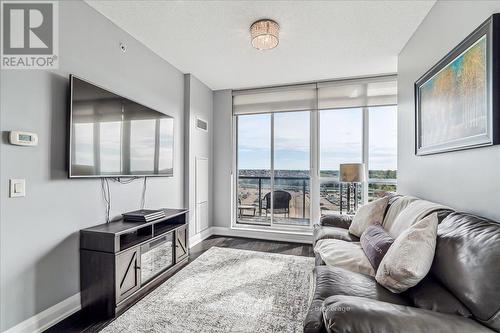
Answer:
[(222, 201), (466, 180), (39, 233)]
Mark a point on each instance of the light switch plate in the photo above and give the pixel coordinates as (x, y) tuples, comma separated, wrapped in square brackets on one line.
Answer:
[(17, 188)]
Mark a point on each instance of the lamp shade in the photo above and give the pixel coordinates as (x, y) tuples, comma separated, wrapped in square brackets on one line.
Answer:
[(352, 173)]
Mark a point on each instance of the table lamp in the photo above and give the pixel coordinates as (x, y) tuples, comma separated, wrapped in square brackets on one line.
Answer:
[(352, 174)]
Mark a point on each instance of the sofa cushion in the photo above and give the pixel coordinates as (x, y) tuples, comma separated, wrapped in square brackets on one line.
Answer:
[(329, 281), (409, 259), (367, 215), (429, 294), (323, 232), (349, 314), (348, 255), (336, 220), (339, 281), (467, 262), (375, 243)]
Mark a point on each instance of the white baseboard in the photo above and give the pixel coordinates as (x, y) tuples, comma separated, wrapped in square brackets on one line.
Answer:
[(276, 235), (195, 239), (49, 317)]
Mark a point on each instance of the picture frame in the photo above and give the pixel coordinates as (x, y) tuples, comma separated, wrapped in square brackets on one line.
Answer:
[(455, 107)]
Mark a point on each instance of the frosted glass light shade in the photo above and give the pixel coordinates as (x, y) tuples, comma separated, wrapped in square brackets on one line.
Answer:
[(265, 34)]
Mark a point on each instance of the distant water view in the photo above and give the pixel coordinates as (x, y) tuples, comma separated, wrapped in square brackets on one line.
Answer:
[(254, 184)]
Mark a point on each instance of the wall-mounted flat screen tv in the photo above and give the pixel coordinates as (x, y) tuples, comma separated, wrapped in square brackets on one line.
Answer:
[(112, 136)]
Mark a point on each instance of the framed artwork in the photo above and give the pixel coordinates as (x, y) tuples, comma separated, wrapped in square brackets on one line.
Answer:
[(457, 100)]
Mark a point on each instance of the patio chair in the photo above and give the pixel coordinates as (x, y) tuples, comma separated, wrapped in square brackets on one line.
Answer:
[(281, 202), (243, 208)]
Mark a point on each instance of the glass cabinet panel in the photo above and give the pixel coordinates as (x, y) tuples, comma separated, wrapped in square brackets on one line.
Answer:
[(156, 256)]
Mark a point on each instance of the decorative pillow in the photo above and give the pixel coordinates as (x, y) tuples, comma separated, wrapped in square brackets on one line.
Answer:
[(409, 258), (348, 255), (367, 215), (375, 242)]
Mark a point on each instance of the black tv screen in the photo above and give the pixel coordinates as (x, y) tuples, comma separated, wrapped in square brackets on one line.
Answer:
[(112, 136)]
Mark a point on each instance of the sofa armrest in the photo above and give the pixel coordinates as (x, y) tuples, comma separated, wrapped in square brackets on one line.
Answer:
[(344, 314), (336, 220)]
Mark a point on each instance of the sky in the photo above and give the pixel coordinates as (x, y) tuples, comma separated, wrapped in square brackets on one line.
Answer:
[(340, 139)]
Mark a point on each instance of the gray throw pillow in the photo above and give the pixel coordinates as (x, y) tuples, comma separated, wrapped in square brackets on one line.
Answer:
[(375, 242)]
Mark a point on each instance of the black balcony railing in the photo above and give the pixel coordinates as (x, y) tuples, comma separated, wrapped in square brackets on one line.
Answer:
[(333, 194), (292, 184)]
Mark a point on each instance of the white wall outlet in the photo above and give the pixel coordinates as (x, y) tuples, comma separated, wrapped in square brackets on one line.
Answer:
[(17, 188)]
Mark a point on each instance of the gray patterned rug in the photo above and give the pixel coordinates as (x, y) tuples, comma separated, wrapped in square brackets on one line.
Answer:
[(226, 290)]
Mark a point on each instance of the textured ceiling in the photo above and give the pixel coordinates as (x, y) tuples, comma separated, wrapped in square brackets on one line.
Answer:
[(318, 40)]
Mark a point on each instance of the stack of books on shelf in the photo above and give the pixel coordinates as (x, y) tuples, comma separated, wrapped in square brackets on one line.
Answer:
[(143, 215)]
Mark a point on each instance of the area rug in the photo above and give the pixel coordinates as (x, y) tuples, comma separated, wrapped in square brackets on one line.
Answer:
[(226, 290)]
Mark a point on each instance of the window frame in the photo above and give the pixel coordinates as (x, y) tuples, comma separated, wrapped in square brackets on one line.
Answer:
[(315, 178)]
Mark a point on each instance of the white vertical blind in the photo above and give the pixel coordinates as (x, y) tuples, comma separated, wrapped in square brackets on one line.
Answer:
[(340, 94)]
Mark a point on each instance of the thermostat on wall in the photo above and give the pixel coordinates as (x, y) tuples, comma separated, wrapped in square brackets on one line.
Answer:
[(23, 138)]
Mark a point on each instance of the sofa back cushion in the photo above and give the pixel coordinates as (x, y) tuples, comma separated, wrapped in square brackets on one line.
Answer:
[(431, 295), (467, 262)]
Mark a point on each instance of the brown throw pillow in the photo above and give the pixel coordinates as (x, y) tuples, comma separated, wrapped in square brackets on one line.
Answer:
[(375, 242)]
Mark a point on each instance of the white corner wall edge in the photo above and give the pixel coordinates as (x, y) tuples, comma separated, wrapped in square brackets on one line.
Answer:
[(56, 313), (49, 317)]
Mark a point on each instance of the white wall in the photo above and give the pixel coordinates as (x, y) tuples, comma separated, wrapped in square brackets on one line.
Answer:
[(199, 143), (466, 180), (223, 103), (39, 233)]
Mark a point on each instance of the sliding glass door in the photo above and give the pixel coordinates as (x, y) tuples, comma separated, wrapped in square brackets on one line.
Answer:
[(254, 168), (273, 162)]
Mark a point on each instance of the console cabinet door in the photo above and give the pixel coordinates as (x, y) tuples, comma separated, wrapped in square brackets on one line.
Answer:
[(181, 250), (128, 271)]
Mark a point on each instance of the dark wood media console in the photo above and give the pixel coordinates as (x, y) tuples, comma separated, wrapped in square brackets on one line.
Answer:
[(122, 261)]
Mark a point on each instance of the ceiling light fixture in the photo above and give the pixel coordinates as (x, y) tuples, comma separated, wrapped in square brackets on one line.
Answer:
[(265, 34)]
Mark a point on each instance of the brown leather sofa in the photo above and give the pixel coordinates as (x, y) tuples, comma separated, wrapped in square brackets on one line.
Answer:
[(461, 293)]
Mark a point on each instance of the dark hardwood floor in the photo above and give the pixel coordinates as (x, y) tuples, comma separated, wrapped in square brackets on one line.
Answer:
[(79, 323)]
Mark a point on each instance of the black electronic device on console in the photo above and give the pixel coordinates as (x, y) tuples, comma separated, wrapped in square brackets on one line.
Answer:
[(143, 215)]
